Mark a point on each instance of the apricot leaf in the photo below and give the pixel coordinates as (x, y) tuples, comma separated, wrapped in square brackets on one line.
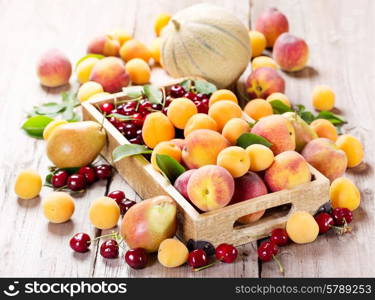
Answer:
[(153, 94), (127, 150), (279, 107), (170, 167), (135, 91), (333, 118), (247, 139), (35, 125), (204, 87)]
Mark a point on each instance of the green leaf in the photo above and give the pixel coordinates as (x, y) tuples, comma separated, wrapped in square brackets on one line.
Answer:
[(121, 117), (169, 166), (279, 107), (127, 150), (333, 118), (135, 91), (186, 84), (307, 116), (204, 87), (48, 179), (34, 126), (153, 94), (247, 139), (49, 108), (98, 56)]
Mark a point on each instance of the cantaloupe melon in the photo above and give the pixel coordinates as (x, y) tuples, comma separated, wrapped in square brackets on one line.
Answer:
[(206, 41)]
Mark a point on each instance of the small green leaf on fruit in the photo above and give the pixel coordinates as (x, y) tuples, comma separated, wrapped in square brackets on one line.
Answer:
[(34, 126), (153, 94), (307, 116), (247, 139), (279, 107), (204, 87), (135, 91), (169, 166), (127, 150), (98, 56), (121, 117), (333, 118)]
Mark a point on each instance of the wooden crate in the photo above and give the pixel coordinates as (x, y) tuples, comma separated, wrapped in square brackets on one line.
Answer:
[(216, 226)]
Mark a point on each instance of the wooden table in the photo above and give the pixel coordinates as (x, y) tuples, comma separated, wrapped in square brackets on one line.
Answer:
[(341, 38)]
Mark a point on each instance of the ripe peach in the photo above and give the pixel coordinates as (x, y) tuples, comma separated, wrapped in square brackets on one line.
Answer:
[(199, 121), (122, 36), (54, 68), (223, 111), (160, 22), (234, 128), (304, 133), (104, 213), (344, 194), (135, 49), (302, 227), (257, 43), (28, 184), (202, 148), (138, 70), (149, 222), (180, 143), (264, 61), (111, 74), (182, 181), (287, 171), (155, 49), (84, 69), (247, 187), (105, 45), (89, 89), (157, 128), (222, 94), (353, 149), (235, 160), (210, 187), (324, 155), (258, 108), (51, 127), (261, 157), (323, 97), (324, 129), (167, 148), (278, 130), (278, 96), (272, 23), (172, 253), (180, 111), (290, 52), (58, 207), (263, 82)]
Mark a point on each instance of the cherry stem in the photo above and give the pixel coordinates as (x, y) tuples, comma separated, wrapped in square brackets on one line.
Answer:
[(115, 235), (278, 262), (205, 267)]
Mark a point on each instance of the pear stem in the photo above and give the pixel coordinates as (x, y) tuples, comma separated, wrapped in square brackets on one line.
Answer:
[(176, 24)]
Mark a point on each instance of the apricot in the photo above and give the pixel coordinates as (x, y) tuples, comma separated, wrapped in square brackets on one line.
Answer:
[(84, 69), (258, 108), (138, 70), (223, 111), (199, 121), (344, 194), (135, 49), (172, 253), (264, 81), (235, 160), (353, 149), (302, 227), (324, 129), (58, 207), (122, 36), (99, 96), (279, 96), (264, 61), (257, 42), (234, 128), (89, 89), (160, 22), (28, 184), (51, 126), (261, 157), (105, 45), (167, 148), (222, 94), (104, 213), (155, 48), (323, 98), (180, 111), (157, 128)]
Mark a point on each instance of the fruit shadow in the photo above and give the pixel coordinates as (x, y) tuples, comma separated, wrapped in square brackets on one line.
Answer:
[(306, 72), (56, 90), (363, 169), (61, 229), (28, 203)]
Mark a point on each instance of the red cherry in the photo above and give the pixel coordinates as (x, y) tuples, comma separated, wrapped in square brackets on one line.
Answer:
[(177, 91), (192, 96), (89, 174), (279, 236), (197, 258), (137, 140), (168, 100), (59, 179), (107, 108), (226, 253), (325, 222), (130, 131), (145, 108), (117, 195), (342, 216), (138, 120), (201, 96), (165, 110), (136, 258), (114, 121), (125, 205), (80, 242), (109, 249), (267, 250), (103, 171), (76, 182), (201, 106), (156, 106)]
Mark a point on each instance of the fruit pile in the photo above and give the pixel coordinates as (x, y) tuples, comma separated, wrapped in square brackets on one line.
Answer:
[(212, 150)]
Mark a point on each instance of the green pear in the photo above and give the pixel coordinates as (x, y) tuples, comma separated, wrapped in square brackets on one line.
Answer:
[(304, 133), (75, 144)]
